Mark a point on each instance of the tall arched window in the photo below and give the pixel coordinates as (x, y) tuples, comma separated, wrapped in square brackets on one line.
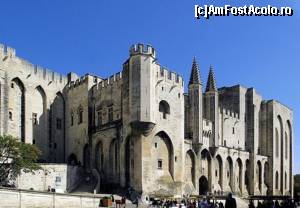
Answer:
[(80, 115), (72, 118), (277, 142), (286, 145), (164, 108), (276, 180)]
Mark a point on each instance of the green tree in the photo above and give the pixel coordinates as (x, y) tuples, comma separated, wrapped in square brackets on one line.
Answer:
[(15, 157)]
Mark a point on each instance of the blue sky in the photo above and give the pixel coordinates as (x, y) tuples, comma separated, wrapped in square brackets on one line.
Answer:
[(94, 37)]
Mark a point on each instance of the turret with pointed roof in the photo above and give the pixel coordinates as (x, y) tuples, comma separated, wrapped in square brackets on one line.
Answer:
[(195, 75), (211, 100), (211, 81), (195, 104)]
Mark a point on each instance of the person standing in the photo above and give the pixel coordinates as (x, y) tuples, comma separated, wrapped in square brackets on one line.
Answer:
[(230, 201)]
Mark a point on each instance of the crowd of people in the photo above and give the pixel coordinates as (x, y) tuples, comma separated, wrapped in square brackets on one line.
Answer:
[(274, 204), (230, 202)]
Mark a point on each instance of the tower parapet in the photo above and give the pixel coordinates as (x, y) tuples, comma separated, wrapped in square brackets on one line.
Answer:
[(170, 76), (229, 113), (140, 48), (112, 80)]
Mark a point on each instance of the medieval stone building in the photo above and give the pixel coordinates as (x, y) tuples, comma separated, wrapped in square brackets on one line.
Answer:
[(138, 128)]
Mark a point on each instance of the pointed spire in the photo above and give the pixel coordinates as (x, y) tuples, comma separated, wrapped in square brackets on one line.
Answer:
[(211, 81), (195, 75)]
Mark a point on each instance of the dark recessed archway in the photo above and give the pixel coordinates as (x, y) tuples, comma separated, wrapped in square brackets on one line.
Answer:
[(203, 185)]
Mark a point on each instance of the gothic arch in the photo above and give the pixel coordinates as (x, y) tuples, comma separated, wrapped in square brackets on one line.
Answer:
[(259, 175), (18, 107), (290, 150), (276, 142), (239, 174), (281, 136), (190, 167), (163, 151), (40, 132), (219, 169), (229, 172), (205, 162)]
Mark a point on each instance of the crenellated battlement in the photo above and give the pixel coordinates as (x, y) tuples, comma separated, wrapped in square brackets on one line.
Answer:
[(7, 51), (229, 113), (170, 76), (32, 69), (79, 82), (142, 49), (113, 79)]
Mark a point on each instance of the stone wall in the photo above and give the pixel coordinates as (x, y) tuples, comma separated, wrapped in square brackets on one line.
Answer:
[(61, 177), (31, 199)]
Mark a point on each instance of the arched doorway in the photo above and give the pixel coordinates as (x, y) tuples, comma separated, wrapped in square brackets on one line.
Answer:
[(205, 163), (72, 159), (203, 185)]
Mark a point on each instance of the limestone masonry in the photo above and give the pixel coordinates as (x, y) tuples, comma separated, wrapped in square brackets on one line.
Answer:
[(138, 128)]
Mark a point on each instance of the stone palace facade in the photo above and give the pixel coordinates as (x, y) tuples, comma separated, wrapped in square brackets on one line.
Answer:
[(139, 128)]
